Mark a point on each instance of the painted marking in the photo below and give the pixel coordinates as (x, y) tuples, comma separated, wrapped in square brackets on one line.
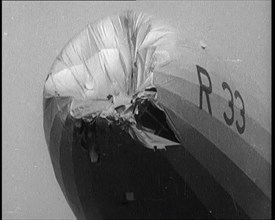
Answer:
[(203, 88), (229, 120)]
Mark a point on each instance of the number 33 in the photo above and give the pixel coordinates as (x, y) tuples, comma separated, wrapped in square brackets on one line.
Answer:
[(229, 121)]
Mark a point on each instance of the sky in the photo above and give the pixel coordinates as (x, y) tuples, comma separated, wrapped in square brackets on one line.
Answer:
[(33, 33)]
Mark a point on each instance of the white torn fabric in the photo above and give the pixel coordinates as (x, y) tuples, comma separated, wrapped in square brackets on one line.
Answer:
[(115, 57)]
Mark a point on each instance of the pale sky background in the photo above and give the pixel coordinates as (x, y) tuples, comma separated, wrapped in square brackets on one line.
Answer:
[(33, 33)]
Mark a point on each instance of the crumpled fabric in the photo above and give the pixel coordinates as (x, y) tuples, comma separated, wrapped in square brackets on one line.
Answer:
[(110, 64)]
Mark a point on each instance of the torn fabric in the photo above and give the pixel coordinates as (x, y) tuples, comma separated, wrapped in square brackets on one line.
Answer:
[(111, 64)]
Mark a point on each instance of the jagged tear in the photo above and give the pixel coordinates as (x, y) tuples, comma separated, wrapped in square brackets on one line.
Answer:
[(155, 129)]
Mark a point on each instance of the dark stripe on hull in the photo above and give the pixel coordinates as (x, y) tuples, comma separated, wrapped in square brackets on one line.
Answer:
[(61, 154), (73, 177), (225, 172), (219, 203)]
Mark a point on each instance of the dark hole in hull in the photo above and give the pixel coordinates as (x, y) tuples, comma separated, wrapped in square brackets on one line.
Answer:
[(153, 118)]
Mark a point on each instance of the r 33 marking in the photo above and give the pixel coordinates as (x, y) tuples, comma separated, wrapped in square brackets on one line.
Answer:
[(208, 90)]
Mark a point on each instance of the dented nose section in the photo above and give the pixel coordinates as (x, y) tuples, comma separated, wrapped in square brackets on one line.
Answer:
[(115, 58)]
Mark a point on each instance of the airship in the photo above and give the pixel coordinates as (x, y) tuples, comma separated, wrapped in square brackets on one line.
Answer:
[(142, 123)]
